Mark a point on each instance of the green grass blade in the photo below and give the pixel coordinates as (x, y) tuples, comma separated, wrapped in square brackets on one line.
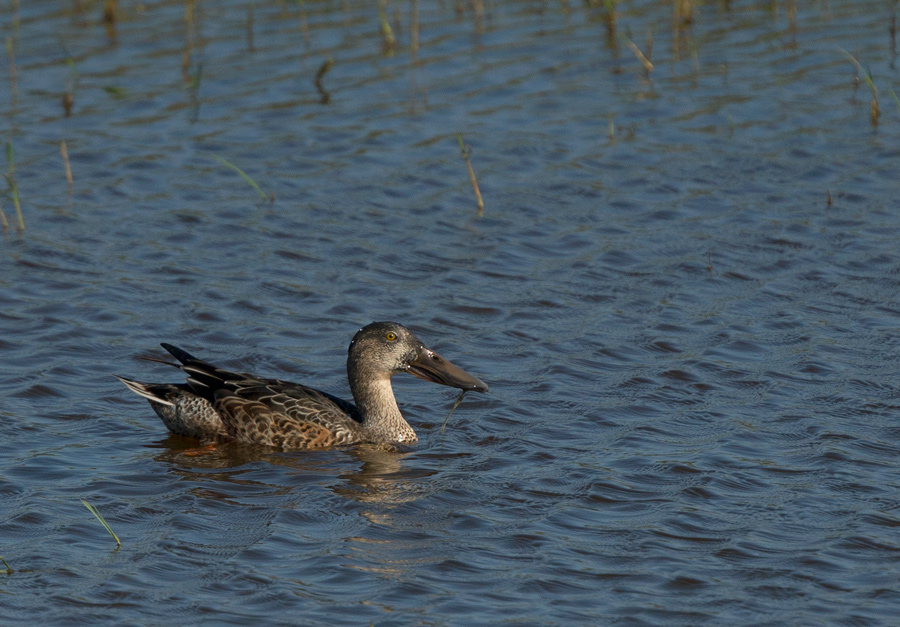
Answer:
[(244, 175), (866, 74), (196, 78), (94, 511), (9, 569), (462, 146)]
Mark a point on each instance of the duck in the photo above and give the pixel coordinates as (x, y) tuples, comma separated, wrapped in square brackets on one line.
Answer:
[(215, 404)]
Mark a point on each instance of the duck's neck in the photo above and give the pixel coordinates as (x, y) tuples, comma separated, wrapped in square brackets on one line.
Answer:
[(381, 416)]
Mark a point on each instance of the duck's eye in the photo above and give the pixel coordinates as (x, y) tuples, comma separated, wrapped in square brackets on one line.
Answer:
[(391, 336)]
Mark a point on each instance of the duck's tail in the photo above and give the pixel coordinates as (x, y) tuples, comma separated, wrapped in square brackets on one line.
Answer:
[(153, 392)]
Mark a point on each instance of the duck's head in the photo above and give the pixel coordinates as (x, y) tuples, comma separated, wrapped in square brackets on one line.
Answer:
[(388, 348)]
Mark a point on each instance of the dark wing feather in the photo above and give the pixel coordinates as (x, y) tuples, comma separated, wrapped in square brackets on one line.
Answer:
[(204, 378)]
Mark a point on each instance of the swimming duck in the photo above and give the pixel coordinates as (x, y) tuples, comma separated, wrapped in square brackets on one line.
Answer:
[(218, 404)]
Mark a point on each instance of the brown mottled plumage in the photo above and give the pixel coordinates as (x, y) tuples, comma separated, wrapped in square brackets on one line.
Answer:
[(216, 403)]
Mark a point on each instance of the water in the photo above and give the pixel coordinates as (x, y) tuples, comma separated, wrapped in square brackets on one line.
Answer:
[(691, 351)]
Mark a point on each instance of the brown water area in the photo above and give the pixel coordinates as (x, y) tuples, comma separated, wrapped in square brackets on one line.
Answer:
[(683, 290)]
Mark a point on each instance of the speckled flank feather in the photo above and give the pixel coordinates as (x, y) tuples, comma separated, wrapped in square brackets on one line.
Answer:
[(216, 403)]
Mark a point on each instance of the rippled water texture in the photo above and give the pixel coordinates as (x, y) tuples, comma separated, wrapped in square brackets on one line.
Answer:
[(683, 293)]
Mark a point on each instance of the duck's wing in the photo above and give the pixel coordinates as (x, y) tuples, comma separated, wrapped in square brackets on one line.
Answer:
[(286, 415), (269, 412)]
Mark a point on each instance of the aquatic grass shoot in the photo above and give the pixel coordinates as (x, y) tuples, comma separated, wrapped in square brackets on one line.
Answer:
[(465, 154), (304, 24), (896, 100), (478, 16), (893, 31), (110, 17), (69, 96), (194, 79), (323, 70), (103, 522), (3, 221), (387, 33), (188, 42), (116, 92), (246, 177), (110, 10), (13, 185), (9, 570), (611, 18), (13, 77), (695, 54), (684, 12), (414, 30), (64, 151), (645, 61), (15, 11), (193, 83), (870, 81)]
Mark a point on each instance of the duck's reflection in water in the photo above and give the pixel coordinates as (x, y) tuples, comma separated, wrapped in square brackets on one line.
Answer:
[(368, 473), (382, 477)]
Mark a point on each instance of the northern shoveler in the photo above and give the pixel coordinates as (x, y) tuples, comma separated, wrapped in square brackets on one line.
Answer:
[(216, 403)]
